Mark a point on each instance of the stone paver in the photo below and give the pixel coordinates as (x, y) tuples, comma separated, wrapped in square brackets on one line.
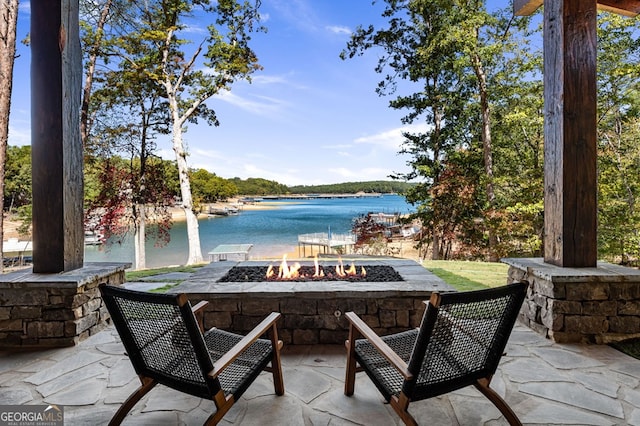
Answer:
[(545, 384)]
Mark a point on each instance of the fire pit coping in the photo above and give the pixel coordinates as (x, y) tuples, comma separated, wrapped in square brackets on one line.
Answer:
[(417, 280)]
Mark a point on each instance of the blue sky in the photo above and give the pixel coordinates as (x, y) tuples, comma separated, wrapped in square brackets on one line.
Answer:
[(307, 118)]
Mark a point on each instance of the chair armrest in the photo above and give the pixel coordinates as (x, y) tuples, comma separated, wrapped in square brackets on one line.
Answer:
[(384, 349), (199, 306), (199, 314), (244, 343)]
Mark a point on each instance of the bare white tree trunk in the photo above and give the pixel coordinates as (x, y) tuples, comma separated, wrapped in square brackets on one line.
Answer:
[(140, 253), (178, 120), (193, 232), (8, 23)]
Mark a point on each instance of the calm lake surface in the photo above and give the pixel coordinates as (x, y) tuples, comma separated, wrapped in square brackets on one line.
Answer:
[(272, 231)]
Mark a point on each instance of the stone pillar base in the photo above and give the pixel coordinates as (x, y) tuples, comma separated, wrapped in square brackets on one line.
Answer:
[(580, 305), (54, 310)]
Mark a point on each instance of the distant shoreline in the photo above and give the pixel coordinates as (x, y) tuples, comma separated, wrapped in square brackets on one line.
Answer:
[(178, 214)]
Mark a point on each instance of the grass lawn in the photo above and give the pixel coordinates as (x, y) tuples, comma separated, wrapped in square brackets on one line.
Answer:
[(464, 275), (146, 273), (136, 275)]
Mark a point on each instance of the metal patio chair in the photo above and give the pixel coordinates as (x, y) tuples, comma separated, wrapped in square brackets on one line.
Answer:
[(459, 343), (166, 344)]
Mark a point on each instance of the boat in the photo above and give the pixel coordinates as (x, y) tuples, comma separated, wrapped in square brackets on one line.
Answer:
[(224, 211), (93, 238)]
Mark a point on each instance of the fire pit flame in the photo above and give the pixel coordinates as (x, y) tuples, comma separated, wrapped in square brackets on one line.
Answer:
[(286, 272), (318, 272)]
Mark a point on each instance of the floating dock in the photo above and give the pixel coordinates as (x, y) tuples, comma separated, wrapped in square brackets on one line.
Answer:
[(326, 242)]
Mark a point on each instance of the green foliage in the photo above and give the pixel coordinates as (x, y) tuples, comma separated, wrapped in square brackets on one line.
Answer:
[(471, 70), (209, 188), (118, 208), (618, 135), (25, 217), (17, 180), (259, 186)]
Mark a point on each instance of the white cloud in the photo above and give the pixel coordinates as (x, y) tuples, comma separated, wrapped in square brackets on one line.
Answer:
[(268, 79), (338, 29), (263, 106), (208, 154), (24, 7), (286, 176), (19, 136), (364, 174), (298, 12), (194, 29), (391, 139)]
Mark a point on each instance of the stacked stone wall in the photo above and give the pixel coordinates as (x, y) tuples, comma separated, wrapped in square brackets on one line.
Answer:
[(311, 319), (56, 310), (586, 305)]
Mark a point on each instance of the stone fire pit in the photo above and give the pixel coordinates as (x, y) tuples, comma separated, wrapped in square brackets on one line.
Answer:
[(313, 310)]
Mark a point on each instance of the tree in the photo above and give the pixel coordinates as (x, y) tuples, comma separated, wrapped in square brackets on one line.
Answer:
[(209, 188), (117, 209), (370, 234), (618, 134), (8, 24), (129, 116), (92, 38), (411, 52), (17, 178), (452, 50), (188, 78)]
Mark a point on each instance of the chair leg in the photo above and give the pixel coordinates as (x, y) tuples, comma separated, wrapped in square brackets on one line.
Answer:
[(483, 386), (276, 366), (401, 406), (350, 377), (223, 405), (145, 387)]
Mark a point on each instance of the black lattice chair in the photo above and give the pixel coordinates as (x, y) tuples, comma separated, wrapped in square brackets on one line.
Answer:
[(166, 344), (459, 343)]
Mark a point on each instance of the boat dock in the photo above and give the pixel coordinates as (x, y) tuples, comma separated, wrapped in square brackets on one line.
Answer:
[(318, 196), (326, 242)]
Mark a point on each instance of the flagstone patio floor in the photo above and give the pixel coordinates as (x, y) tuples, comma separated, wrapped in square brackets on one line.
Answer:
[(544, 382)]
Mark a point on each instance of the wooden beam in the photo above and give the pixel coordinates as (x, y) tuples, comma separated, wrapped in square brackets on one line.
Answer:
[(570, 200), (629, 8), (56, 147), (526, 7)]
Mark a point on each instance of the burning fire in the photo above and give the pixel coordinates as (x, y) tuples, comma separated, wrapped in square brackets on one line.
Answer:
[(286, 272)]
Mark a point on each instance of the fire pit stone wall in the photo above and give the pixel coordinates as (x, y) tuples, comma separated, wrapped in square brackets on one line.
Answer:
[(313, 312)]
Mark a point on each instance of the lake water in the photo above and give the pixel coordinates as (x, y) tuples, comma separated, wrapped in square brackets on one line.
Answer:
[(272, 231)]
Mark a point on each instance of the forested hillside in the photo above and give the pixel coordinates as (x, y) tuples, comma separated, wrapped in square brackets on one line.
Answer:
[(353, 187)]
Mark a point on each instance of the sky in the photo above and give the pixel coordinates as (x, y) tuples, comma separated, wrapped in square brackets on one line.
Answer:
[(307, 118)]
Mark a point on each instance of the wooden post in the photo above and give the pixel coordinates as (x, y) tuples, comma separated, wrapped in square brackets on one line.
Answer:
[(57, 175), (570, 133)]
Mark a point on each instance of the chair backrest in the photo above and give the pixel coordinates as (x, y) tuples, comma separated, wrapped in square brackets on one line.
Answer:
[(462, 338), (162, 338)]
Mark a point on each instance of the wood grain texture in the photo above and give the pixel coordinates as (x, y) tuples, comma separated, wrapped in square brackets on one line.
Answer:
[(570, 133), (623, 7), (56, 72)]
